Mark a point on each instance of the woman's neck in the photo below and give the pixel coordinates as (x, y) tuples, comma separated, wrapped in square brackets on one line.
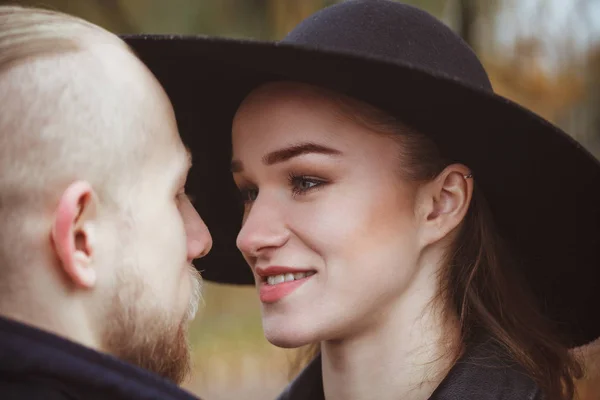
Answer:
[(404, 356)]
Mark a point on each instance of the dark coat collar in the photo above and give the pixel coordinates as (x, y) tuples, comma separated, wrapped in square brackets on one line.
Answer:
[(32, 356), (481, 374)]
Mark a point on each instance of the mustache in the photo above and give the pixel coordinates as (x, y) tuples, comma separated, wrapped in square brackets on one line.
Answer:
[(196, 293)]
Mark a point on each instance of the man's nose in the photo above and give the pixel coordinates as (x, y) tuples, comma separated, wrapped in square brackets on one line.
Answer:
[(199, 240), (262, 229)]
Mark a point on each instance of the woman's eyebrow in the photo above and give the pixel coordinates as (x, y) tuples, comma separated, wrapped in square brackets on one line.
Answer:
[(287, 153)]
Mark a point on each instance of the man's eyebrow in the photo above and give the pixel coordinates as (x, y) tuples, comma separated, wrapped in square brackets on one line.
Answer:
[(287, 153), (188, 156), (185, 165)]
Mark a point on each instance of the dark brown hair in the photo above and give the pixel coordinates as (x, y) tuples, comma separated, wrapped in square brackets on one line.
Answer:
[(480, 283)]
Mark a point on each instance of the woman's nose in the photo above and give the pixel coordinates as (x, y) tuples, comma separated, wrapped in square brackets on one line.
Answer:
[(262, 229)]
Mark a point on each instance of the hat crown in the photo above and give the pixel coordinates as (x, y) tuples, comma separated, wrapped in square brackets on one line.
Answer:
[(395, 32)]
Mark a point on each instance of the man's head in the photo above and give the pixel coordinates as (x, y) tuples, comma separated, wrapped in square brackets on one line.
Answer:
[(97, 235)]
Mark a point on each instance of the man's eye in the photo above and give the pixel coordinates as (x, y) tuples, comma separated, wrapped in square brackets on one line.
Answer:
[(182, 196)]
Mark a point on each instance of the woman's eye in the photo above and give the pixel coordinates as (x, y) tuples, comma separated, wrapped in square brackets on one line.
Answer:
[(303, 184), (248, 195), (299, 184)]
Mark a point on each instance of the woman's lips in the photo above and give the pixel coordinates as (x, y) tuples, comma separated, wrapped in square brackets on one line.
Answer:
[(277, 282)]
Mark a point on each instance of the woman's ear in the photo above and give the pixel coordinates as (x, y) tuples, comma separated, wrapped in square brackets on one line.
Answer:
[(72, 234), (443, 203)]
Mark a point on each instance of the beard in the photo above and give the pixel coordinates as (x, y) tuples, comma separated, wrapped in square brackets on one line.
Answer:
[(145, 334)]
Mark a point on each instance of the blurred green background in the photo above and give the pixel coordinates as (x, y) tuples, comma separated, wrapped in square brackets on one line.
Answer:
[(543, 54)]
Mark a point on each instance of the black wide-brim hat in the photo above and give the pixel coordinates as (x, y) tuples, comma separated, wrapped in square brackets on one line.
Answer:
[(541, 185)]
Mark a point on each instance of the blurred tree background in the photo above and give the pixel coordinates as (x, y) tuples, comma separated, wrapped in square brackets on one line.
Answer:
[(543, 54)]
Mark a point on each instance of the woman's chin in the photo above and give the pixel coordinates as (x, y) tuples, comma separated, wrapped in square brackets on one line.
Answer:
[(287, 343), (289, 338)]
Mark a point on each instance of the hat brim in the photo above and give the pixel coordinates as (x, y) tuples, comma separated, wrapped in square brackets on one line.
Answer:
[(541, 185)]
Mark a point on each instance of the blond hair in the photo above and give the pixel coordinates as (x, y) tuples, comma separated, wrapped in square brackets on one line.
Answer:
[(55, 120), (32, 32)]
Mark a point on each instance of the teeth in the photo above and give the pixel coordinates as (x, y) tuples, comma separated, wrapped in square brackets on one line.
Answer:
[(299, 275), (277, 279)]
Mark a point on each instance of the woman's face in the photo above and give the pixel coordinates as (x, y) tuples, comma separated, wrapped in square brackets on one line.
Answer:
[(330, 229)]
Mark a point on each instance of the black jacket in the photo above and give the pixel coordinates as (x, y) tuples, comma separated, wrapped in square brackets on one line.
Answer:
[(36, 365), (480, 374)]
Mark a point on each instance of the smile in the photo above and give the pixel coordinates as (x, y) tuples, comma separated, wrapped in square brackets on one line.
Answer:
[(288, 277), (277, 282)]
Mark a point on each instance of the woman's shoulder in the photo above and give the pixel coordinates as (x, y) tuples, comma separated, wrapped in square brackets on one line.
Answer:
[(307, 385), (487, 372), (484, 372)]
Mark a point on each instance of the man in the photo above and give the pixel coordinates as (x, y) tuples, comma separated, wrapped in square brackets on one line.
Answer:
[(97, 236)]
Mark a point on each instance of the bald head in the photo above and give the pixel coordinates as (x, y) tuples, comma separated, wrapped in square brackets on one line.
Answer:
[(76, 105)]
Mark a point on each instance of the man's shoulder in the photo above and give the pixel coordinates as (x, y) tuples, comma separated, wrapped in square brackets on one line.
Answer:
[(12, 388), (35, 364)]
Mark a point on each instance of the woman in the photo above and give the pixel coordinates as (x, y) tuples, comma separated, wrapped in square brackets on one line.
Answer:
[(363, 238), (431, 238)]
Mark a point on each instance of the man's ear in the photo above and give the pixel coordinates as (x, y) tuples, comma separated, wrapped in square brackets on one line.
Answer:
[(444, 202), (72, 233)]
